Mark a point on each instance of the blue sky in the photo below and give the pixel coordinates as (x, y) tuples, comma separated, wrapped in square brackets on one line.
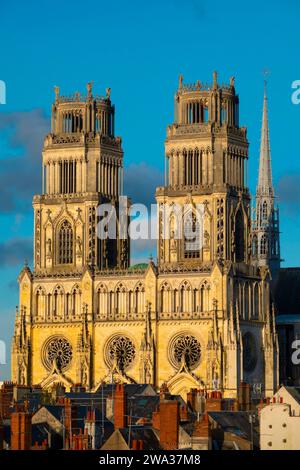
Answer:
[(138, 49)]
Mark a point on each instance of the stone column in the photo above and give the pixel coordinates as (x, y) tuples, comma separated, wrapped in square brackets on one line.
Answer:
[(74, 175), (171, 170), (51, 185), (204, 168), (115, 180), (122, 180), (209, 168), (68, 176), (174, 169), (105, 178), (188, 168), (99, 176), (47, 178), (54, 189), (200, 167), (166, 184), (102, 176), (108, 177), (78, 176), (84, 175)]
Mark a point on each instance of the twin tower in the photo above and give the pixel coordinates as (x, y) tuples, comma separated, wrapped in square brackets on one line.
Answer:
[(201, 316)]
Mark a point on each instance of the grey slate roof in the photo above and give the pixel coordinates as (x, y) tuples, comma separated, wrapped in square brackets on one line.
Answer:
[(235, 422)]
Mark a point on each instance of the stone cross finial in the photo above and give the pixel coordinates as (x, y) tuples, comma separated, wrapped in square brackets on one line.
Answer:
[(89, 87), (215, 76), (56, 91), (180, 81)]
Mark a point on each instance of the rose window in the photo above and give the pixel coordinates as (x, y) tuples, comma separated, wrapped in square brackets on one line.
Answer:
[(120, 350), (57, 349), (185, 347)]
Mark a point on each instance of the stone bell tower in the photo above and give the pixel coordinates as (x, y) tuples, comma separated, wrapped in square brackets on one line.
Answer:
[(206, 156), (206, 153), (82, 167)]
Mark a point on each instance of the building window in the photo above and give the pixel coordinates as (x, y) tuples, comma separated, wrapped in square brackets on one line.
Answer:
[(58, 350), (184, 348), (263, 245), (239, 237), (223, 115), (191, 236), (120, 350), (265, 211), (65, 243), (254, 245)]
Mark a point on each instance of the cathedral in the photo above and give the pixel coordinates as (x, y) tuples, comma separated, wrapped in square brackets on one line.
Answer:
[(195, 318)]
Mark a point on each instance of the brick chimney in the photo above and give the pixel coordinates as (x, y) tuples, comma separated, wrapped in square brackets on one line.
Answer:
[(42, 446), (244, 399), (20, 430), (120, 407), (183, 413), (156, 420), (90, 427), (71, 423), (201, 436), (196, 400), (137, 444), (214, 402), (169, 424), (6, 398), (79, 441)]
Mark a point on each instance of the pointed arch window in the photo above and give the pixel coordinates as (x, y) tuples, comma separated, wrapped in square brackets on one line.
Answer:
[(40, 301), (191, 236), (256, 301), (254, 246), (76, 301), (65, 243), (120, 299), (165, 298), (265, 211), (102, 300), (240, 237), (139, 298), (264, 245), (204, 297)]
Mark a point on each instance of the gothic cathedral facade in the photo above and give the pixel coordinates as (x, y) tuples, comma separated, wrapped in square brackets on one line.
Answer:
[(197, 318)]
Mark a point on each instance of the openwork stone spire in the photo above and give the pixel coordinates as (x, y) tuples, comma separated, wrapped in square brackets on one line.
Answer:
[(265, 234), (265, 184)]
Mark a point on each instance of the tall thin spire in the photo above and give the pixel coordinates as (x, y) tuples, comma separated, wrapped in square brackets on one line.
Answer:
[(265, 184), (265, 232)]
